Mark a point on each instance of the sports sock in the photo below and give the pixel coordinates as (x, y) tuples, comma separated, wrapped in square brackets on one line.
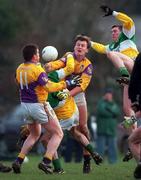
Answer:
[(87, 157), (57, 164), (90, 148), (46, 160), (20, 158), (124, 72)]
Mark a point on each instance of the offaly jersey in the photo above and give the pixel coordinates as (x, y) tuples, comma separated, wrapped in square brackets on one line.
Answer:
[(63, 109), (34, 84), (83, 68), (126, 42)]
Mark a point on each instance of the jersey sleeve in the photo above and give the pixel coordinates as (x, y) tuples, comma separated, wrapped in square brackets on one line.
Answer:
[(68, 69), (42, 79), (55, 64), (42, 76), (48, 85), (100, 48), (54, 87), (86, 77), (128, 23)]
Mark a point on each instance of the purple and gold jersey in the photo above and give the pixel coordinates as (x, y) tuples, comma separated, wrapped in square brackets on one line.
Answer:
[(83, 68), (34, 84)]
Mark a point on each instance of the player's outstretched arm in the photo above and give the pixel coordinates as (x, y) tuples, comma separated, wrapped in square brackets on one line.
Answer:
[(100, 48), (107, 10), (127, 22)]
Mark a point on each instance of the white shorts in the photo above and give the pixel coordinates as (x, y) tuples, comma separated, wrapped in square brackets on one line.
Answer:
[(80, 99), (34, 112), (67, 124)]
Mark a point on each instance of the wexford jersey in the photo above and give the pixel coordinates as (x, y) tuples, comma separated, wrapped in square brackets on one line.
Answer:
[(126, 42), (83, 68), (63, 109), (34, 84)]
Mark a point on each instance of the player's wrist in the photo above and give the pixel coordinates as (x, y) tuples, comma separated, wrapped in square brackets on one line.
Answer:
[(114, 13), (69, 56), (92, 43)]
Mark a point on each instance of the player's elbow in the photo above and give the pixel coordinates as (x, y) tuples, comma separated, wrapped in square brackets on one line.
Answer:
[(69, 70), (109, 54)]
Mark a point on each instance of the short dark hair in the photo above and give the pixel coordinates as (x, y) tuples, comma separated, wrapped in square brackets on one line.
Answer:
[(83, 38), (118, 26), (29, 51), (108, 90)]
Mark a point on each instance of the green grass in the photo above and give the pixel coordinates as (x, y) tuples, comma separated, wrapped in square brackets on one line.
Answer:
[(119, 171)]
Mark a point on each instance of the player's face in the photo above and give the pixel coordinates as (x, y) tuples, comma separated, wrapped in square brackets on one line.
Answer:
[(37, 56), (108, 96), (80, 48), (115, 33)]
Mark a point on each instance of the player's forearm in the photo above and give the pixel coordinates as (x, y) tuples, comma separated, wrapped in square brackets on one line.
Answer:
[(54, 65), (126, 20), (76, 91), (68, 69), (54, 87), (85, 81), (100, 48)]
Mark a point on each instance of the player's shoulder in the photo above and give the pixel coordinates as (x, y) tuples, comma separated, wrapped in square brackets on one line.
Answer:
[(37, 68), (64, 57), (67, 53), (88, 61), (20, 65)]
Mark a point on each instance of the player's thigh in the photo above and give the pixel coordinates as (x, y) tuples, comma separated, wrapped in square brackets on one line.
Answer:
[(45, 137), (128, 62), (53, 126), (135, 137), (35, 129), (82, 108), (82, 115)]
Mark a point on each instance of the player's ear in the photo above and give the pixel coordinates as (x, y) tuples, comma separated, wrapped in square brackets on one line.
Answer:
[(87, 50)]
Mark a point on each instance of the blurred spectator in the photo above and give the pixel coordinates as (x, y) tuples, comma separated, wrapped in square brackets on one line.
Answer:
[(106, 116), (92, 125)]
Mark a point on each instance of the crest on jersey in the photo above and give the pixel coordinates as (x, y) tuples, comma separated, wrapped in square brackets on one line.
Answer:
[(82, 68), (45, 79), (89, 70)]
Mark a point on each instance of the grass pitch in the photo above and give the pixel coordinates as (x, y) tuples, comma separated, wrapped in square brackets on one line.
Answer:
[(30, 171)]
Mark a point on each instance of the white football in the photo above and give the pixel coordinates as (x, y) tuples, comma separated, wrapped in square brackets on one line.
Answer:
[(49, 53)]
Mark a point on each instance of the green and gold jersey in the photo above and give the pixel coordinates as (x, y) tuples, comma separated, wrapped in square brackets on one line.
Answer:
[(126, 42)]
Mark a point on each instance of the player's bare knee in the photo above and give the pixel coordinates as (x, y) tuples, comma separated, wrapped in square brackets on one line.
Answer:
[(77, 135), (35, 137), (60, 133), (131, 139), (109, 55), (84, 129), (127, 111)]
